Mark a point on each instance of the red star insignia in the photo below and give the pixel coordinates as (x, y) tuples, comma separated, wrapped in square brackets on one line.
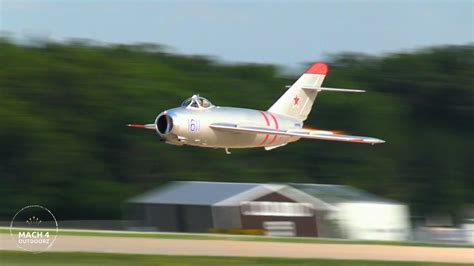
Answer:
[(296, 99)]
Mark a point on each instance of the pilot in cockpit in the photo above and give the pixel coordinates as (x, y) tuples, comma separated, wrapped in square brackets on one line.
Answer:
[(197, 102)]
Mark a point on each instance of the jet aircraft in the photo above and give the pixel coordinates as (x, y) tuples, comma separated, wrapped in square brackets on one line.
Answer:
[(197, 122)]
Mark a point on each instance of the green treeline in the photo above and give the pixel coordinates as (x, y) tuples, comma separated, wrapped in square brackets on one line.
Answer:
[(64, 144)]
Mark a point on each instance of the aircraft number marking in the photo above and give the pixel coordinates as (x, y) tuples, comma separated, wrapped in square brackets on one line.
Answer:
[(194, 125)]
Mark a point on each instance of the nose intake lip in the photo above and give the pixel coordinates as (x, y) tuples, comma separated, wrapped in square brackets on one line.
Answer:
[(164, 124)]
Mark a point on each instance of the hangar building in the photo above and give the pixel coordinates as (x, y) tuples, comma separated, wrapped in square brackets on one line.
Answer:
[(361, 215), (278, 209)]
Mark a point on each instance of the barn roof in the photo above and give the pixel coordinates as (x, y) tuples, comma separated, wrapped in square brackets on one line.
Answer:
[(334, 194), (193, 192), (232, 194)]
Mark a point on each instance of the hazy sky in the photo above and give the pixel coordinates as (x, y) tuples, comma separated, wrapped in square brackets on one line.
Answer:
[(281, 32)]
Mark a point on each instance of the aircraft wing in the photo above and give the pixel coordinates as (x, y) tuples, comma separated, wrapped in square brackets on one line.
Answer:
[(302, 133)]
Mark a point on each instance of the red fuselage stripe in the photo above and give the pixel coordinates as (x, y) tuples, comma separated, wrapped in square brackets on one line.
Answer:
[(265, 139), (276, 127), (266, 118), (268, 124), (275, 120)]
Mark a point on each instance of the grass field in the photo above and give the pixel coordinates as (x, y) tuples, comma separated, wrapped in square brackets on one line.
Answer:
[(78, 258), (6, 230)]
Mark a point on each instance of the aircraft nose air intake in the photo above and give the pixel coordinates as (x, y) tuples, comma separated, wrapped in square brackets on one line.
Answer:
[(164, 124)]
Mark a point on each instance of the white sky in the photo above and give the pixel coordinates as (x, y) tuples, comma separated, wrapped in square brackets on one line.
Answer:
[(280, 32)]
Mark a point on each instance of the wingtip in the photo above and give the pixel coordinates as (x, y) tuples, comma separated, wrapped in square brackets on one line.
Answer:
[(379, 141), (372, 141)]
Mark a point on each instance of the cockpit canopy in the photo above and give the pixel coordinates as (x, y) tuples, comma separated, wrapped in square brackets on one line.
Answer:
[(197, 102)]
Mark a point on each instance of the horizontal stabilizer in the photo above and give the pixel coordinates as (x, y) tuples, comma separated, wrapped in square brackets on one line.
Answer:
[(302, 133), (331, 89), (146, 126)]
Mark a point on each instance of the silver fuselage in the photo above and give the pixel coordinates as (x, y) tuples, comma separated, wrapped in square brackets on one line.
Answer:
[(184, 126)]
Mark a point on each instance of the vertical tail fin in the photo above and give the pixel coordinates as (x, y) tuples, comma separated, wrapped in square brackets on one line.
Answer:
[(297, 102)]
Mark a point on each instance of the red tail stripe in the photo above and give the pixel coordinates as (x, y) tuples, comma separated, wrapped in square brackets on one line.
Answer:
[(318, 68)]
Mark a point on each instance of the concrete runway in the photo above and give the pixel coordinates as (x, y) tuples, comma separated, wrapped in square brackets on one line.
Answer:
[(252, 249)]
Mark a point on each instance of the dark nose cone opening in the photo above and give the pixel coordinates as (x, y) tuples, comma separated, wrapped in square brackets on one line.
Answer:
[(164, 124)]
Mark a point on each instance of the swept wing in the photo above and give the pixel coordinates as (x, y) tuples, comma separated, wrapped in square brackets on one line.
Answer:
[(302, 133)]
